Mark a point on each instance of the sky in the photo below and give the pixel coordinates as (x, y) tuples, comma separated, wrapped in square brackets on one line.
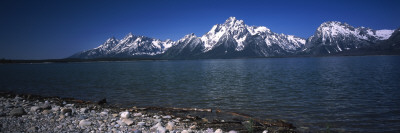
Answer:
[(53, 29)]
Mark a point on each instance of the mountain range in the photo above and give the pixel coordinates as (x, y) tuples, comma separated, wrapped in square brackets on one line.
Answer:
[(235, 39)]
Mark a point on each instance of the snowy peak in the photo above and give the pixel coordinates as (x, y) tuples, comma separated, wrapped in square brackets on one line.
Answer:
[(235, 32), (231, 28), (233, 22), (191, 35), (334, 36), (333, 29)]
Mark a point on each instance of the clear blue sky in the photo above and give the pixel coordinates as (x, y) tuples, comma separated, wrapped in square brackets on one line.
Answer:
[(48, 29)]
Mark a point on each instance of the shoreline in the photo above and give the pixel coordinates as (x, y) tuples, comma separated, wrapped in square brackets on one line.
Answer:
[(34, 113), (77, 60)]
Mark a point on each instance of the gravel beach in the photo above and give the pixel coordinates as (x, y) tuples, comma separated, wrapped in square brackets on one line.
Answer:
[(31, 113)]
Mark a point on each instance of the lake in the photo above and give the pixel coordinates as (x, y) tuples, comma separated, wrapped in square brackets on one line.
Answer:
[(345, 94)]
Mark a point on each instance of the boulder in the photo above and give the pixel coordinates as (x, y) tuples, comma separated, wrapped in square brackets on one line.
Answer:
[(17, 112)]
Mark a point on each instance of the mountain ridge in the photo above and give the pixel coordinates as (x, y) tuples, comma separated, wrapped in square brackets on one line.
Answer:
[(235, 39)]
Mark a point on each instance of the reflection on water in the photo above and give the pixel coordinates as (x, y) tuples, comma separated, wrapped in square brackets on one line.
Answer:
[(343, 93)]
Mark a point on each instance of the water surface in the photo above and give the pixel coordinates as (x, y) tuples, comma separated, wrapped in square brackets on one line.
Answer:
[(352, 94)]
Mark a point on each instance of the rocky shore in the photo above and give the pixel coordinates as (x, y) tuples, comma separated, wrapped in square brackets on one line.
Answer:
[(30, 113)]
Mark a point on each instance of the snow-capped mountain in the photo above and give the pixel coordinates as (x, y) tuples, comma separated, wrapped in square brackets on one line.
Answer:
[(129, 46), (334, 37), (242, 34), (188, 47), (235, 39)]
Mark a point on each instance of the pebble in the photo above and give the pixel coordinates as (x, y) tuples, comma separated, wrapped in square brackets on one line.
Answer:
[(45, 106), (9, 106), (125, 114), (159, 128), (35, 108), (64, 111), (167, 117), (210, 130), (61, 117), (103, 113), (141, 123), (84, 110), (17, 112), (55, 108), (128, 121), (116, 125), (170, 126), (87, 118), (218, 131), (33, 129), (137, 114), (84, 123), (45, 112)]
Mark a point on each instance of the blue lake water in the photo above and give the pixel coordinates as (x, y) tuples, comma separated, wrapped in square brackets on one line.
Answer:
[(349, 94)]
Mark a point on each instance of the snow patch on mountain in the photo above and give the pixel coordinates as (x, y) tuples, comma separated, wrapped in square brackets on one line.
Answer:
[(384, 34)]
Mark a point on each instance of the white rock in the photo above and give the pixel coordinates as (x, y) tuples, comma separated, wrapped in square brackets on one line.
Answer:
[(116, 125), (128, 121), (218, 131), (157, 120), (84, 110), (210, 130), (103, 113), (233, 131), (69, 105), (120, 122), (265, 131), (35, 108), (159, 128), (192, 127), (185, 131), (55, 108), (137, 114), (170, 126), (167, 117), (141, 123), (125, 115), (85, 123)]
